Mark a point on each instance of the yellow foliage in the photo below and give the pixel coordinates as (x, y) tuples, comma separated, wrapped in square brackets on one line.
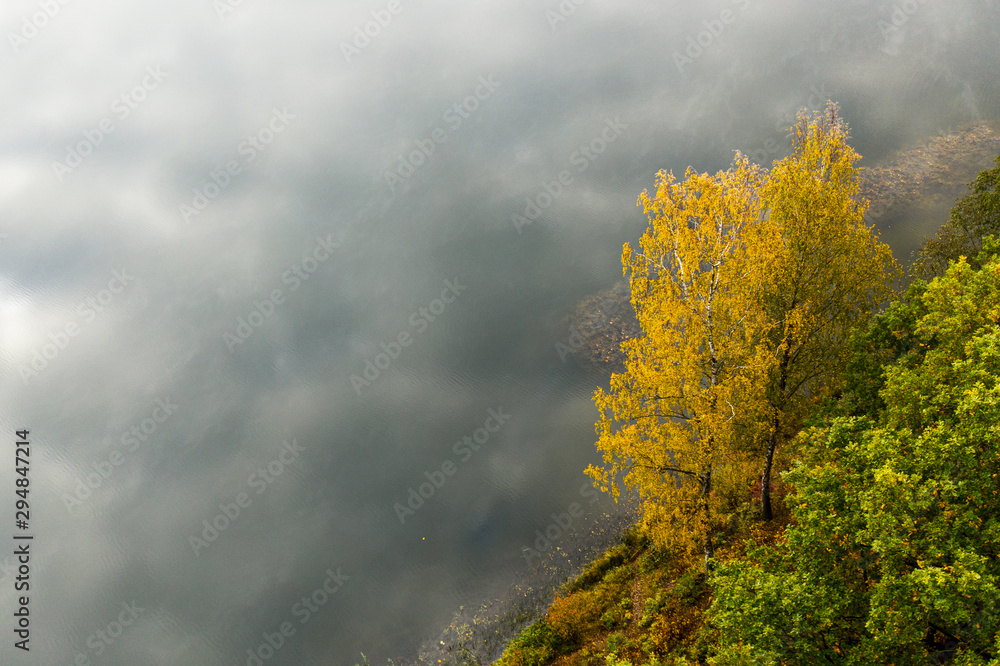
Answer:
[(574, 617), (675, 624), (693, 290), (745, 284)]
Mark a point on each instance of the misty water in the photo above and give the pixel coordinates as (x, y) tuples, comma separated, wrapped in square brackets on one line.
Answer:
[(282, 285)]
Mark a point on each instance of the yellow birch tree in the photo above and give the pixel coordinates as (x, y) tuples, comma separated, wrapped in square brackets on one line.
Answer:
[(746, 285), (669, 423), (825, 277)]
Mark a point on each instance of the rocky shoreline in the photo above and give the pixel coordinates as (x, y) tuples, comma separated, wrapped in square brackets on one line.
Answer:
[(599, 324), (943, 163)]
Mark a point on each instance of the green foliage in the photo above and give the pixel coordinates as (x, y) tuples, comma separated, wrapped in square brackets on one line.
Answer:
[(632, 541), (616, 644), (651, 609), (894, 557), (742, 655), (653, 558), (690, 588), (536, 646), (889, 338), (612, 658), (617, 616), (975, 216)]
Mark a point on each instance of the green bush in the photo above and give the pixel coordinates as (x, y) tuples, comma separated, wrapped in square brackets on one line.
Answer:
[(690, 588), (536, 646), (651, 608), (617, 643), (892, 556), (632, 541), (617, 616)]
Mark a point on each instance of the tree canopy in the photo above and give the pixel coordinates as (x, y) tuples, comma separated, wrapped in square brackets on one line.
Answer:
[(675, 406), (825, 276), (893, 554), (744, 285), (973, 217)]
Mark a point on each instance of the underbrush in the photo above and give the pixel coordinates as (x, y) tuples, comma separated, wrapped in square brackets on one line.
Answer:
[(637, 605)]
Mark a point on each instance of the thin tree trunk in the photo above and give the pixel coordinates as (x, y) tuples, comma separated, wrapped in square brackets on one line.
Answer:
[(772, 442), (765, 478), (706, 488), (709, 546)]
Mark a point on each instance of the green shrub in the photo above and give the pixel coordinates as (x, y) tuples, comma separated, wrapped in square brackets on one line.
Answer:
[(536, 646), (651, 608), (617, 642), (617, 616), (632, 541), (690, 588)]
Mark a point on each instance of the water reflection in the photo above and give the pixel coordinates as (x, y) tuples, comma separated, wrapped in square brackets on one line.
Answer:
[(269, 186)]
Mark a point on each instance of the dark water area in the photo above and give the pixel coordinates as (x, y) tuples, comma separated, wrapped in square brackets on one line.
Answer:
[(282, 285)]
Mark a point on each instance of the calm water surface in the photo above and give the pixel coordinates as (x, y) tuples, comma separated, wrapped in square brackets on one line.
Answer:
[(280, 298)]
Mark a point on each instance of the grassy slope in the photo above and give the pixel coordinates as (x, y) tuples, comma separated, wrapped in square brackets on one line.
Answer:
[(636, 605)]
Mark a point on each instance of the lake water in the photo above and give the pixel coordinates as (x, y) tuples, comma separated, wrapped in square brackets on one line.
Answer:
[(282, 284)]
